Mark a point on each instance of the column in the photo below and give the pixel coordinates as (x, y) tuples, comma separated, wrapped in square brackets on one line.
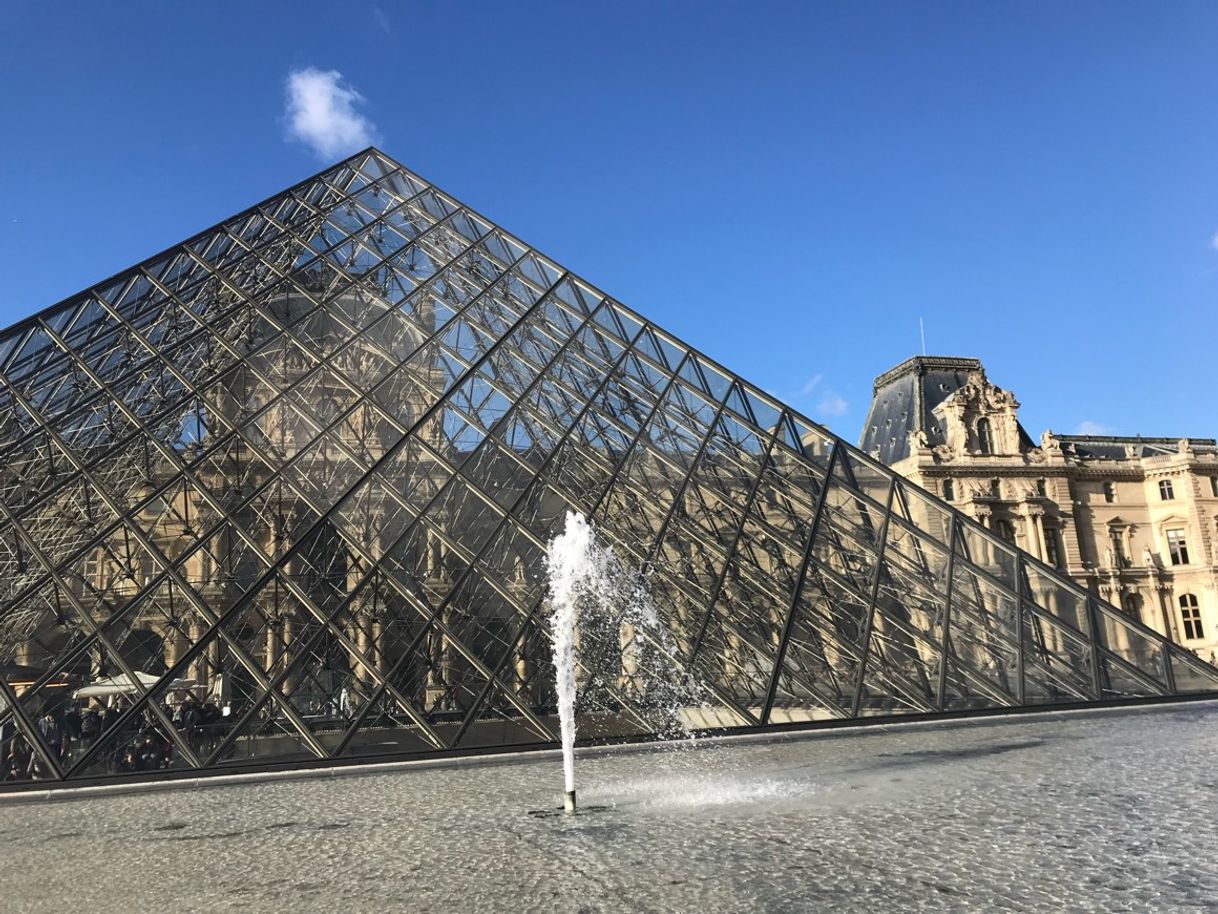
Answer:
[(1038, 522), (375, 649), (1033, 545), (1163, 590), (271, 653)]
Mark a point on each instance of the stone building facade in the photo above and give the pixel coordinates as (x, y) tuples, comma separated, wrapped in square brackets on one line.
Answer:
[(1132, 519)]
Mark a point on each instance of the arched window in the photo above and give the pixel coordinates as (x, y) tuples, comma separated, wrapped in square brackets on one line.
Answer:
[(1190, 616), (1133, 606), (949, 490), (985, 439)]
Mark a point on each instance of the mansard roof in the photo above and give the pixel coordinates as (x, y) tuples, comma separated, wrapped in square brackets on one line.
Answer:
[(904, 399)]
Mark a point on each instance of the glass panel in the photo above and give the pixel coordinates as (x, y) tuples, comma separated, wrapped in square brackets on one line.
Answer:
[(1059, 659), (983, 638), (1189, 673), (1118, 681), (1137, 646), (988, 553), (923, 512), (1058, 599), (821, 665)]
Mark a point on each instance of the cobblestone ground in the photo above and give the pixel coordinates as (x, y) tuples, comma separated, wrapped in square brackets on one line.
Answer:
[(1095, 811)]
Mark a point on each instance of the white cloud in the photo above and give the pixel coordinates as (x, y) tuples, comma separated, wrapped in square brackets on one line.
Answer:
[(811, 385), (381, 18), (831, 405), (1088, 427), (321, 113), (1214, 241)]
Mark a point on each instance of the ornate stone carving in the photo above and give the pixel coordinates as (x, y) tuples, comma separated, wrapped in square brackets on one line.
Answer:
[(961, 416)]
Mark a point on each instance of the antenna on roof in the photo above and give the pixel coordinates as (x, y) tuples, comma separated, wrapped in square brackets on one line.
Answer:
[(922, 333)]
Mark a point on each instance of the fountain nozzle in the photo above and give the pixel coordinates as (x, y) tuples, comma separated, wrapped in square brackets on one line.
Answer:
[(568, 802)]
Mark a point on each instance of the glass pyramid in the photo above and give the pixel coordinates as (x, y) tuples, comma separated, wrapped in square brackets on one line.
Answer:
[(280, 496)]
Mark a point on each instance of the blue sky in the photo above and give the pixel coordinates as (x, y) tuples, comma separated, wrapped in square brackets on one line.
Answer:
[(787, 186)]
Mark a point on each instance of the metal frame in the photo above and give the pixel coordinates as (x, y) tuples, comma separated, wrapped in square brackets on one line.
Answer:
[(313, 456)]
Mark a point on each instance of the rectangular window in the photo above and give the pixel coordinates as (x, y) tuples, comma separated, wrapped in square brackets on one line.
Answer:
[(1109, 492), (1214, 486), (1052, 552), (1177, 547), (1191, 617), (1165, 490)]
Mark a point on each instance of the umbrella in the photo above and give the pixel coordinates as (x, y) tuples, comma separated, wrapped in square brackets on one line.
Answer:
[(122, 684)]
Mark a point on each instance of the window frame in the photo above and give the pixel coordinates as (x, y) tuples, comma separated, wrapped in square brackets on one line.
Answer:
[(1053, 551), (1132, 604), (985, 436), (1177, 545), (1190, 617)]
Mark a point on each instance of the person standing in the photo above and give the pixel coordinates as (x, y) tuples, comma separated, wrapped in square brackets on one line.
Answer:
[(48, 728)]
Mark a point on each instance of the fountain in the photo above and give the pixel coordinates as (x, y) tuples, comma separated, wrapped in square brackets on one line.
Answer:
[(602, 617), (569, 556)]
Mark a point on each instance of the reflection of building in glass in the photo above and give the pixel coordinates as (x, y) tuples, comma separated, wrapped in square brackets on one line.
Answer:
[(281, 494), (1131, 519)]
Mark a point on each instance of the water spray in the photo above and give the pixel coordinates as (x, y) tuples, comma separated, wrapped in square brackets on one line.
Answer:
[(597, 601), (568, 562)]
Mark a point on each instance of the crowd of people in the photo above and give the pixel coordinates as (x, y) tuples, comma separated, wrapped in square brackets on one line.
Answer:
[(69, 730)]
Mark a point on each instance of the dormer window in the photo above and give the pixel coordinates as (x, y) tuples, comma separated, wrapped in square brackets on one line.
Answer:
[(985, 438)]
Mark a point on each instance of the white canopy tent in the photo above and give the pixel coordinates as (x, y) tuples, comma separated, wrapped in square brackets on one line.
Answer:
[(124, 685)]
